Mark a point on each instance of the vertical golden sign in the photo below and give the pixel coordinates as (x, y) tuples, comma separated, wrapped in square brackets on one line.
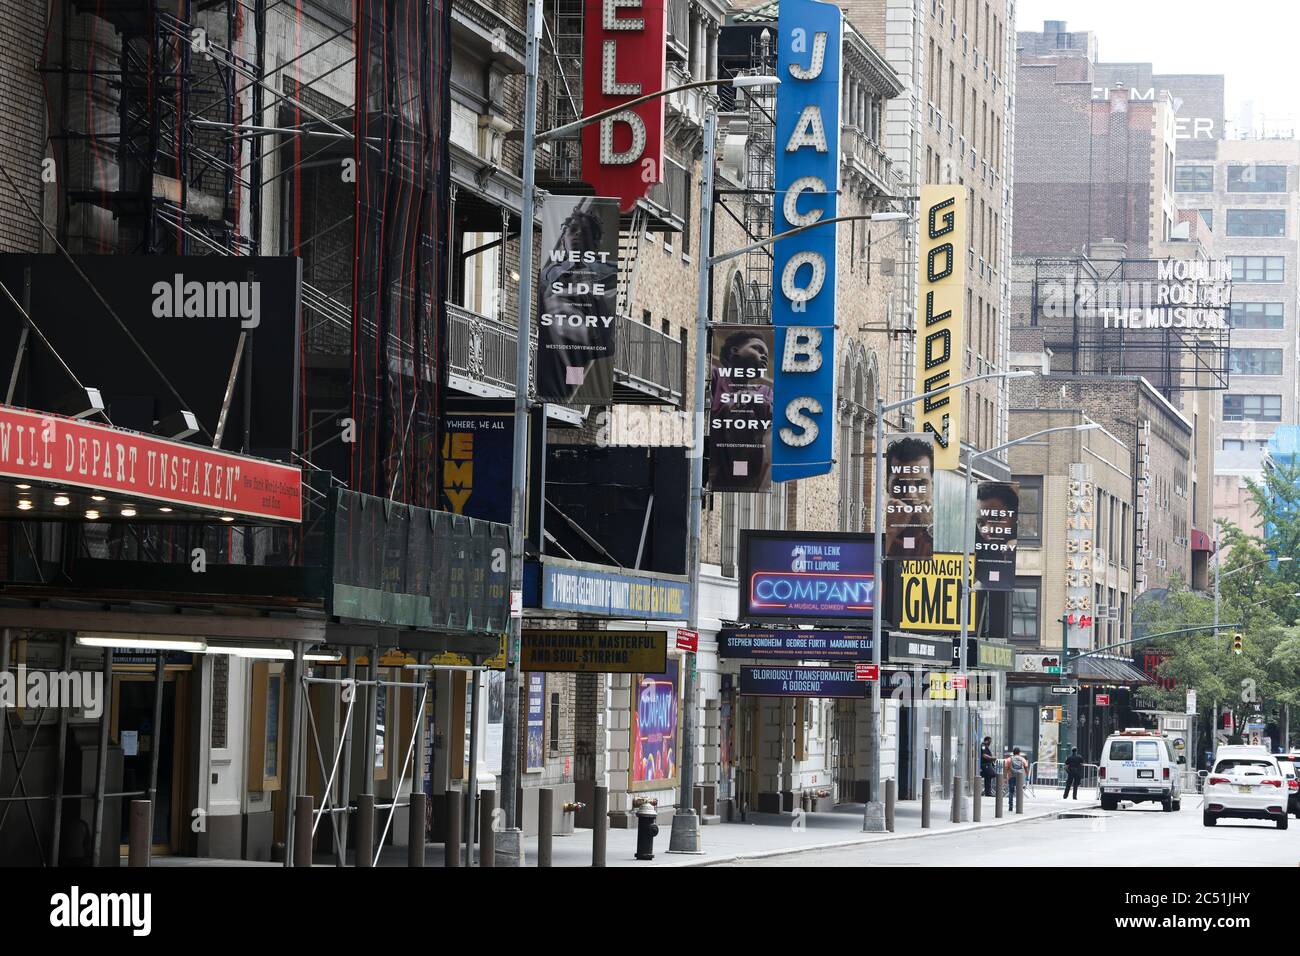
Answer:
[(939, 323)]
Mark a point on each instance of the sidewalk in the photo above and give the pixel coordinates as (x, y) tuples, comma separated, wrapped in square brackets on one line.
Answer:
[(767, 834)]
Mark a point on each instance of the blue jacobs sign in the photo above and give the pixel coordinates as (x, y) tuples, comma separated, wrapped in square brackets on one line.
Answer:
[(810, 38), (611, 594)]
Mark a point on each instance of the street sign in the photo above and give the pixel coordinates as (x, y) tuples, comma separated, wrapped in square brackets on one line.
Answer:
[(958, 681), (688, 640), (1103, 700), (1064, 689), (867, 672), (1191, 700)]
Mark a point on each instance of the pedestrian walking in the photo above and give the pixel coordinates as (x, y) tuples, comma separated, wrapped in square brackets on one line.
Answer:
[(1016, 763), (988, 767), (1073, 771)]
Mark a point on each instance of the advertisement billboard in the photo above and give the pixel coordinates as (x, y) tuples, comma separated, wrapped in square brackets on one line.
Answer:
[(806, 576), (577, 307), (794, 645), (928, 591), (810, 37), (940, 324), (802, 682), (909, 497), (997, 509), (598, 652), (654, 729), (534, 741), (474, 444), (625, 50), (740, 408)]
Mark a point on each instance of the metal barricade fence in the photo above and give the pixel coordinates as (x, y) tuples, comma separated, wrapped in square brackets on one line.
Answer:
[(1049, 774)]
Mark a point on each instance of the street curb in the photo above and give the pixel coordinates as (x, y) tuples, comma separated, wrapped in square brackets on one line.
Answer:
[(868, 841)]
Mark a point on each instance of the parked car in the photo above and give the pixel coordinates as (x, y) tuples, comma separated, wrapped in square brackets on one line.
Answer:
[(1247, 783), (1139, 766), (1291, 763)]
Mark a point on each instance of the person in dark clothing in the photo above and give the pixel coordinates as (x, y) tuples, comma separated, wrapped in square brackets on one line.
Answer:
[(1073, 771), (988, 769)]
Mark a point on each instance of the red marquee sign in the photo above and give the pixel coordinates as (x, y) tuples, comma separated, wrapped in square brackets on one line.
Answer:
[(624, 53), (65, 451)]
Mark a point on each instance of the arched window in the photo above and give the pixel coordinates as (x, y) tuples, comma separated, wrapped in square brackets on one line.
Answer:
[(733, 310)]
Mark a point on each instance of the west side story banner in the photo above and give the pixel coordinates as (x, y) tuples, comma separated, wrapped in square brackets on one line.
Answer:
[(940, 324), (740, 408), (997, 510), (810, 36), (909, 497), (577, 311)]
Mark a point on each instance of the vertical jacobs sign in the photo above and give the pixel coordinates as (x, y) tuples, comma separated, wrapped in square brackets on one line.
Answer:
[(810, 37), (624, 52), (939, 323)]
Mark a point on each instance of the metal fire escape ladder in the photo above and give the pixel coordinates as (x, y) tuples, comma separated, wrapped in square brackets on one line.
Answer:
[(629, 259)]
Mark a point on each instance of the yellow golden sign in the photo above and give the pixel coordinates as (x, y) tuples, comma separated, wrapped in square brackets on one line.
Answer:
[(939, 323), (596, 652)]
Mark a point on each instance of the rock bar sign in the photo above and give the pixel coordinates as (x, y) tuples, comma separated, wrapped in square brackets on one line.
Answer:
[(69, 452), (595, 652)]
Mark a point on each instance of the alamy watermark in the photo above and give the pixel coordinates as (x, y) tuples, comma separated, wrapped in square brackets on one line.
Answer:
[(78, 690)]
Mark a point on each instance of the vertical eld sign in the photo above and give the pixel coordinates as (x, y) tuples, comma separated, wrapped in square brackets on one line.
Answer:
[(939, 323), (810, 38), (624, 52)]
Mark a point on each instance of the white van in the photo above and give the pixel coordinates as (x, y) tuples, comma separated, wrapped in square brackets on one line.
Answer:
[(1138, 765)]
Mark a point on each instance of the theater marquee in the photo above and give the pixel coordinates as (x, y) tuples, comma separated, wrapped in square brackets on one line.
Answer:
[(940, 324)]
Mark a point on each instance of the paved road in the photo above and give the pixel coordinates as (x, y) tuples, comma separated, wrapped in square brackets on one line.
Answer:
[(1134, 836)]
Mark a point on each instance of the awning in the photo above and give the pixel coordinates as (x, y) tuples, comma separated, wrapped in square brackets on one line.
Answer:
[(1107, 670)]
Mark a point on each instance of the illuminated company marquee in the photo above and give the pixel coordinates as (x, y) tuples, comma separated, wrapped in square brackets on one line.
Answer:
[(810, 576)]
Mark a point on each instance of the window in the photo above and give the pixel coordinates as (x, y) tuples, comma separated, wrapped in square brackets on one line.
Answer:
[(1031, 510), (1255, 361), (1257, 222), (1252, 408), (1148, 750), (1194, 179), (555, 723), (1257, 315), (1234, 444), (1208, 216), (1024, 612), (1121, 750), (1257, 268), (1252, 178)]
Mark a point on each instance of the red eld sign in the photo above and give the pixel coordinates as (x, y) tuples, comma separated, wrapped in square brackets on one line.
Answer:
[(66, 451), (624, 52)]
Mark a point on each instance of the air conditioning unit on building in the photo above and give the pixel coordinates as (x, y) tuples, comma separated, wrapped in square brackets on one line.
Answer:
[(1113, 613), (1102, 610), (1162, 563)]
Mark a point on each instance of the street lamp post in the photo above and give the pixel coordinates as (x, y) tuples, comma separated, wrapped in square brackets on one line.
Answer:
[(873, 820), (967, 572), (509, 842)]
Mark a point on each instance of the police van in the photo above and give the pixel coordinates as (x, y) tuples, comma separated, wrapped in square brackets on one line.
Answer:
[(1138, 765)]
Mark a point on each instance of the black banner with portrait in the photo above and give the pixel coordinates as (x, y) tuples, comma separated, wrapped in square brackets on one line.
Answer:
[(740, 408), (577, 301), (909, 497), (997, 508)]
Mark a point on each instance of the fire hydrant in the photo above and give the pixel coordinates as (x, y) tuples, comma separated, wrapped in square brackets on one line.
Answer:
[(647, 828)]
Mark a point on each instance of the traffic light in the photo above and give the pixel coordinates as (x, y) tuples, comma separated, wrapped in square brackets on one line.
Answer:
[(1236, 643)]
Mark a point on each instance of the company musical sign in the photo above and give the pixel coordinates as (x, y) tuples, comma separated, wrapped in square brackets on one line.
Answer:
[(625, 53), (809, 576), (65, 451), (794, 645), (802, 682), (810, 36), (940, 324)]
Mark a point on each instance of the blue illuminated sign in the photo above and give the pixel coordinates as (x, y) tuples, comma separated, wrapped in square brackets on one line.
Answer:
[(807, 576), (809, 40)]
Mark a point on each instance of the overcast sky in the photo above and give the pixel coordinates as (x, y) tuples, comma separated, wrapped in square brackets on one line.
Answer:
[(1251, 42)]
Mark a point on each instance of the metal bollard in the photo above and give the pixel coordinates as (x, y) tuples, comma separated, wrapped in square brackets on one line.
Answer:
[(600, 824), (302, 819), (1020, 793), (545, 824), (140, 840), (977, 807), (956, 799), (925, 803), (891, 795), (699, 804), (364, 854), (999, 781), (415, 830), (487, 837), (451, 841)]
